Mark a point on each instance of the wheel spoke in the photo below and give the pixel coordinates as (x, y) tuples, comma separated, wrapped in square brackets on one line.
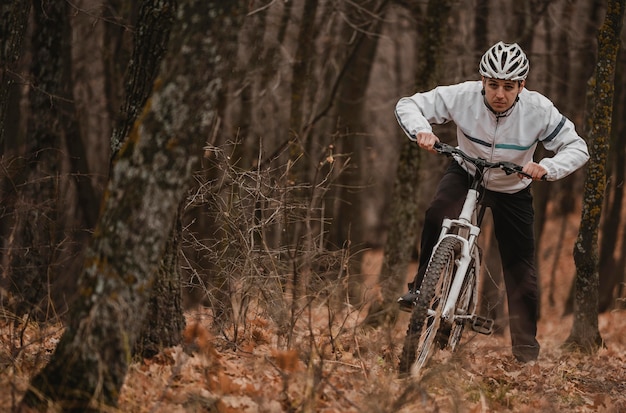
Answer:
[(426, 323)]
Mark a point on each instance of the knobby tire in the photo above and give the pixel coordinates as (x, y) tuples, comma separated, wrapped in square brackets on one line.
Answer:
[(419, 344)]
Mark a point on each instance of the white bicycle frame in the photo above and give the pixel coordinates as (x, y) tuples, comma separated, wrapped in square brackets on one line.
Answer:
[(468, 232), (442, 307)]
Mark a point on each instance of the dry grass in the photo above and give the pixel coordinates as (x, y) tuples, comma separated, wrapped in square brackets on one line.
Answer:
[(334, 364)]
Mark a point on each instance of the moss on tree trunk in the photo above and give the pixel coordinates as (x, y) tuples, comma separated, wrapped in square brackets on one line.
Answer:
[(585, 335), (148, 182)]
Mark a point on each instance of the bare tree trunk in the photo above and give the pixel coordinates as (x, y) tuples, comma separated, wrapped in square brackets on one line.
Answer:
[(12, 30), (295, 231), (13, 27), (585, 334), (34, 237), (301, 71), (348, 225), (148, 181), (586, 54), (481, 23), (560, 76), (120, 18), (246, 150), (164, 326), (608, 269), (151, 36), (404, 212), (620, 130), (526, 15)]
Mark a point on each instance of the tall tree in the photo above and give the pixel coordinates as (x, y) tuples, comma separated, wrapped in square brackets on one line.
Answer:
[(163, 328), (148, 181), (481, 23), (150, 42), (586, 55), (609, 271), (14, 20), (365, 21), (119, 17), (35, 233), (585, 334), (301, 70), (152, 31), (302, 65), (13, 24), (403, 209), (165, 324), (558, 83), (619, 118)]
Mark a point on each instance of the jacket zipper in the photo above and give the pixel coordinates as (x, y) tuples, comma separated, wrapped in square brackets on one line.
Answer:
[(493, 147)]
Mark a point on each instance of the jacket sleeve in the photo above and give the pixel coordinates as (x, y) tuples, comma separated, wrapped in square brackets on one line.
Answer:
[(571, 151), (416, 113)]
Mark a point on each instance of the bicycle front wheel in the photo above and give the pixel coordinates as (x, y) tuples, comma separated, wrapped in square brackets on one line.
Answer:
[(419, 344)]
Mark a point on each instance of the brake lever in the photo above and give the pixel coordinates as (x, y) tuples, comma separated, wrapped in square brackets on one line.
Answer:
[(444, 148), (511, 168)]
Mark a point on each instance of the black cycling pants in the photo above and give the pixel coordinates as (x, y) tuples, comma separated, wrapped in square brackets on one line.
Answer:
[(513, 217)]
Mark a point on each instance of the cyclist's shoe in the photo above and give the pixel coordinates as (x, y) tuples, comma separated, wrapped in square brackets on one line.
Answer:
[(408, 301), (525, 354)]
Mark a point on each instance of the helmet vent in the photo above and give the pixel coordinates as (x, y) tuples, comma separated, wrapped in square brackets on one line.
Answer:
[(504, 61)]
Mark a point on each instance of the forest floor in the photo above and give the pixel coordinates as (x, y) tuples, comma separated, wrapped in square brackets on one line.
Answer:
[(334, 363)]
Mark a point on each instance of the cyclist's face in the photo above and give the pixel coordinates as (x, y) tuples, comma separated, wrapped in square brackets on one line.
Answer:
[(501, 94)]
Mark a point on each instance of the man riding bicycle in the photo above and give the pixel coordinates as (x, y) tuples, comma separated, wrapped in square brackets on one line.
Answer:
[(499, 120)]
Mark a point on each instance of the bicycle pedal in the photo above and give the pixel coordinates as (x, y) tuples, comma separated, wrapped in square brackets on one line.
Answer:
[(482, 325)]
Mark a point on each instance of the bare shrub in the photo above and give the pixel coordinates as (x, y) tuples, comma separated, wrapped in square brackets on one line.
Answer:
[(262, 244)]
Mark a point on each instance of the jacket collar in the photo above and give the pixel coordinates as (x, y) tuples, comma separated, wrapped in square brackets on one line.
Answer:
[(499, 115)]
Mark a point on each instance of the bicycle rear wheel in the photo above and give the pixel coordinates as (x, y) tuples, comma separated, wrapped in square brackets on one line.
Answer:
[(419, 344)]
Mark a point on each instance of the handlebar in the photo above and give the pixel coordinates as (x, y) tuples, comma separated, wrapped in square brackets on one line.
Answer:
[(508, 167)]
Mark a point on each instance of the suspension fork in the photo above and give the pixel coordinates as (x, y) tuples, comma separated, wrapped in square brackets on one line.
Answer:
[(469, 228), (463, 263), (468, 234)]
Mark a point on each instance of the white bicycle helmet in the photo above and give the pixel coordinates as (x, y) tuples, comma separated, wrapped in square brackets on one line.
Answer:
[(504, 61)]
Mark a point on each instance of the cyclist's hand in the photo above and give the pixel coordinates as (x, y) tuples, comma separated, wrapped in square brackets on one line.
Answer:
[(535, 170), (427, 140)]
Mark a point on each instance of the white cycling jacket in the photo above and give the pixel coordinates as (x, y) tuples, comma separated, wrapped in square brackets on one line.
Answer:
[(510, 137)]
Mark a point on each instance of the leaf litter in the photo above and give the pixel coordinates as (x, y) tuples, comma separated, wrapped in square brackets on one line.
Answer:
[(347, 367)]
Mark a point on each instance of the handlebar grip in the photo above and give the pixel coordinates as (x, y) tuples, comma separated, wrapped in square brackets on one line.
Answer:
[(514, 168)]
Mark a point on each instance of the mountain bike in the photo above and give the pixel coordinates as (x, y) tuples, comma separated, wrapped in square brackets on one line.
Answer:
[(447, 299)]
